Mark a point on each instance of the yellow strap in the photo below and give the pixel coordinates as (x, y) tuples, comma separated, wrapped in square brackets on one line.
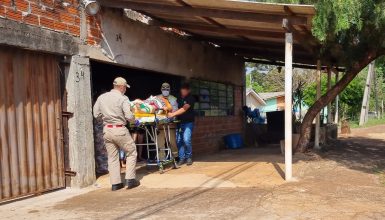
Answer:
[(146, 115)]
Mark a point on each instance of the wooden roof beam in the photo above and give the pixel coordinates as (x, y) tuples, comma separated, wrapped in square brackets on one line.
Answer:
[(251, 44), (276, 57), (203, 12), (295, 65), (230, 31), (266, 50), (307, 42), (207, 19), (275, 54)]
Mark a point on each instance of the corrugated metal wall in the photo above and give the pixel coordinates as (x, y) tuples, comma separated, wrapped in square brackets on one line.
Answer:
[(31, 154)]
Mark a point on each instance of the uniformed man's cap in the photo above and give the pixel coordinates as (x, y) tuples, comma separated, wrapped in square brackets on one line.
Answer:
[(165, 86), (120, 81)]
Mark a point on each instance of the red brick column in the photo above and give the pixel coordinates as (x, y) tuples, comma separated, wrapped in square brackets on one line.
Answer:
[(94, 29)]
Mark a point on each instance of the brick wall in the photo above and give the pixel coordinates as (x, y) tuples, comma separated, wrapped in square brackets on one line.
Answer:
[(64, 16), (94, 29), (48, 14), (209, 131), (61, 16)]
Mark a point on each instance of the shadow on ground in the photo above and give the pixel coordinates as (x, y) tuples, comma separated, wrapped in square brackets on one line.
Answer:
[(364, 150), (359, 153), (249, 183)]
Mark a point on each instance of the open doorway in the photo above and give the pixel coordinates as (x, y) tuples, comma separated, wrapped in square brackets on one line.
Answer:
[(143, 84)]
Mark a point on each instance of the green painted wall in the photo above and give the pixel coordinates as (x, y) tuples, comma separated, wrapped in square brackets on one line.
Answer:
[(271, 106)]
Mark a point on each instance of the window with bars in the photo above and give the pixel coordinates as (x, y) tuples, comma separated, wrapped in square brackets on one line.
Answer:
[(213, 99)]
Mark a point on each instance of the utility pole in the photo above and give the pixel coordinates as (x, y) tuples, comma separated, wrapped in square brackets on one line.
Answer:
[(337, 102), (329, 85), (376, 94), (366, 98), (317, 119), (251, 80)]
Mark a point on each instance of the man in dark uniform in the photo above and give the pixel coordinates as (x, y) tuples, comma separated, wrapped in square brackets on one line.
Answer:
[(186, 116)]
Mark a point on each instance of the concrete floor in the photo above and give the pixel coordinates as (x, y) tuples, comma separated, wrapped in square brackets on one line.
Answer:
[(346, 182)]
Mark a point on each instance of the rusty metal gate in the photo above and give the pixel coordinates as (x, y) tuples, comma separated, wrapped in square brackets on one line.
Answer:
[(31, 154)]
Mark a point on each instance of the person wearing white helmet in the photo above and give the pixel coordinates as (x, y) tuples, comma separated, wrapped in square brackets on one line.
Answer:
[(114, 109)]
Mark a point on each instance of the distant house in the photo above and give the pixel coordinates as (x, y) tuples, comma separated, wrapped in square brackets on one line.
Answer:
[(275, 101), (253, 99)]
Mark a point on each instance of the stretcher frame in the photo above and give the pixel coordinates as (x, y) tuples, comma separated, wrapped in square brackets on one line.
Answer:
[(151, 131)]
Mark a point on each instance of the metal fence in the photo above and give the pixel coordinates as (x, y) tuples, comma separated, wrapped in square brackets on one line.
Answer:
[(31, 154)]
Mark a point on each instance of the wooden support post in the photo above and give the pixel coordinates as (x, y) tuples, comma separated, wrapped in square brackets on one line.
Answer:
[(329, 84), (288, 104), (337, 101), (366, 98), (317, 119)]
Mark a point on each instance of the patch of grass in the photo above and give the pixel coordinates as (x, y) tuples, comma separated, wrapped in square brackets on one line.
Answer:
[(371, 122)]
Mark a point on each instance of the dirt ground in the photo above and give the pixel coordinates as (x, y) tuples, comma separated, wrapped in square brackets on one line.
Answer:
[(347, 181)]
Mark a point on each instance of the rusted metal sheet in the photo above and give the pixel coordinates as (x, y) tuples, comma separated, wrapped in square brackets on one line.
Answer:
[(31, 152)]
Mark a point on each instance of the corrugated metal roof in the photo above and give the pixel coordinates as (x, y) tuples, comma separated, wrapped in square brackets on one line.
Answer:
[(270, 95), (247, 29)]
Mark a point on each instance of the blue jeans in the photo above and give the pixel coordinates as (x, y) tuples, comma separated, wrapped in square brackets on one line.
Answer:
[(183, 140)]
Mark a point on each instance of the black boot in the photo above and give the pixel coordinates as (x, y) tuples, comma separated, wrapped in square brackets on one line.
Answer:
[(181, 162), (132, 183), (189, 162), (117, 186)]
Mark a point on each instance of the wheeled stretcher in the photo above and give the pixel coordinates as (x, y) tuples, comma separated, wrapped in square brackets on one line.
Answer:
[(157, 155)]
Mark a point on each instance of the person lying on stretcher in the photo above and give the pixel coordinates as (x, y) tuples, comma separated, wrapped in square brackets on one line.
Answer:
[(144, 109)]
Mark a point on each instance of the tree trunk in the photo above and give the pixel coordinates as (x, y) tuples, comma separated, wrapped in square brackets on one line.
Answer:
[(328, 97)]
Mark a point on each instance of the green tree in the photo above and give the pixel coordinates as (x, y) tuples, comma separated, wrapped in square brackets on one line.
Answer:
[(351, 34), (350, 98), (269, 78), (250, 83), (274, 80), (264, 78), (255, 76)]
